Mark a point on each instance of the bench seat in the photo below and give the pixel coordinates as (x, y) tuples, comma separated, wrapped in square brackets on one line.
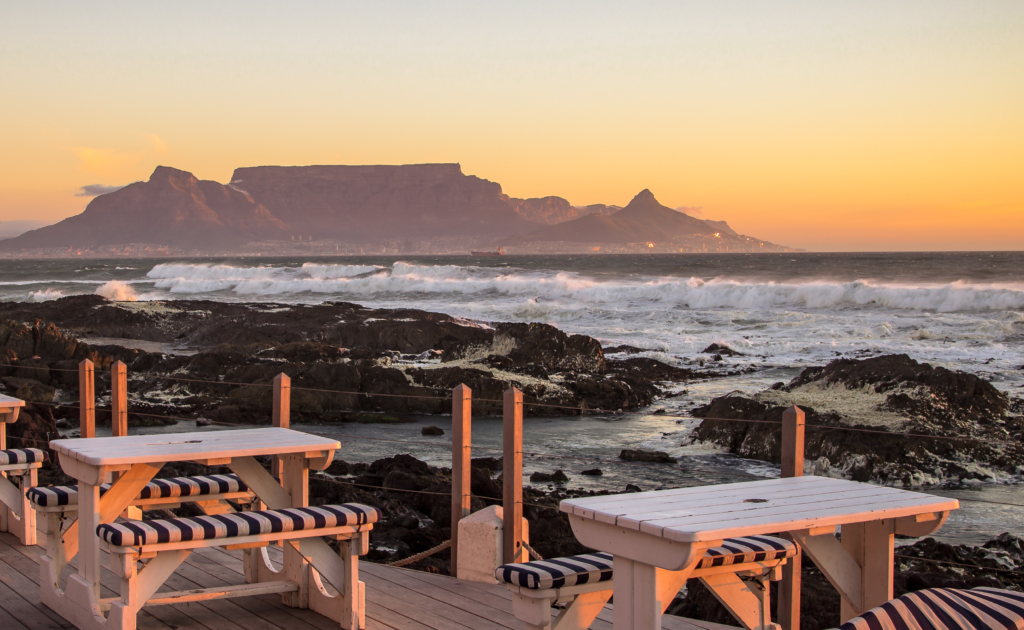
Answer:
[(737, 573), (597, 567), (176, 487), (235, 525), (144, 554), (946, 609), (16, 456)]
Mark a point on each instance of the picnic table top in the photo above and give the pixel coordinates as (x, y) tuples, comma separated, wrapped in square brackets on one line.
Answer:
[(203, 445), (750, 508), (6, 402)]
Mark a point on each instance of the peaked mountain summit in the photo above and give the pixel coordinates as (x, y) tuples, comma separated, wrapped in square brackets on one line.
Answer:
[(644, 219), (172, 208)]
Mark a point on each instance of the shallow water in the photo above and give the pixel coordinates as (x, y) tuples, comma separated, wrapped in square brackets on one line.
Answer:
[(783, 311)]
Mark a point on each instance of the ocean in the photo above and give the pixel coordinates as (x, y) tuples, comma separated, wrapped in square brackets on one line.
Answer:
[(783, 312)]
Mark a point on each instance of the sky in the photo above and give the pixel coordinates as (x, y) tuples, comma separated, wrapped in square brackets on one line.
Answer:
[(831, 126)]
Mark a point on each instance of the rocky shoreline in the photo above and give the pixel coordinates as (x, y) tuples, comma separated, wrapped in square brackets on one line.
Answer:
[(414, 358)]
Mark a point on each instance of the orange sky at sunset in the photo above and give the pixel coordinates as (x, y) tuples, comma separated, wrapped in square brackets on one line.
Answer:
[(827, 126)]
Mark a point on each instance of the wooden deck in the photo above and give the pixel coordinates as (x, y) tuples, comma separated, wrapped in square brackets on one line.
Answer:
[(399, 599)]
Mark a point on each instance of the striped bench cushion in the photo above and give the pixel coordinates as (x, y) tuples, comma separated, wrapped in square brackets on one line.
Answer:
[(136, 533), (946, 608), (22, 456), (597, 567), (54, 496)]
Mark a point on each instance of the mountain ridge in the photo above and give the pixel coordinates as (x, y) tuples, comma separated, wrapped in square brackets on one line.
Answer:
[(404, 208)]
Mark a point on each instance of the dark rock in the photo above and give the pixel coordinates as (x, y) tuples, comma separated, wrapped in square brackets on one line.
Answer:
[(592, 472), (556, 477), (28, 389), (638, 455), (623, 350), (432, 431), (631, 488), (721, 350), (650, 369), (933, 401), (33, 369), (541, 344)]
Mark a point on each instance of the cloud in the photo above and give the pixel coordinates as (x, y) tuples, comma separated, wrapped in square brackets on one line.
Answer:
[(116, 163), (693, 211), (95, 190)]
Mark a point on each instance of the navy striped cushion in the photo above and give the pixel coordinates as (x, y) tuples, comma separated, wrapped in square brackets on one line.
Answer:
[(217, 526), (597, 567), (22, 456), (54, 496), (558, 572), (747, 549), (946, 609)]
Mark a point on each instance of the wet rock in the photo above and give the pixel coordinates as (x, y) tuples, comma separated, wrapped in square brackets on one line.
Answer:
[(882, 395), (28, 389), (33, 369), (650, 369), (639, 455), (556, 477), (721, 350), (541, 344), (431, 431), (631, 488), (624, 349), (592, 472)]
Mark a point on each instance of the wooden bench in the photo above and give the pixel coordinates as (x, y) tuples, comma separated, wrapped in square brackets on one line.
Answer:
[(211, 493), (15, 515), (145, 553), (736, 572)]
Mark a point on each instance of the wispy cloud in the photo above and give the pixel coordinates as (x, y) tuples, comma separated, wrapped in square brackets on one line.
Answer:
[(116, 162), (95, 190), (693, 211)]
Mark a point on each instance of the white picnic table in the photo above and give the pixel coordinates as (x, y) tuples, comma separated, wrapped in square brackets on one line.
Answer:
[(657, 538), (9, 408), (137, 459)]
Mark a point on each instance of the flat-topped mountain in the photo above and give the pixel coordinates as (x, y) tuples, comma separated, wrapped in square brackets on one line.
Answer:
[(644, 219), (372, 202), (172, 208), (409, 208)]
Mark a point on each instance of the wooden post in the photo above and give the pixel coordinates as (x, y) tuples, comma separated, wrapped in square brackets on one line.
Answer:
[(118, 399), (512, 472), (462, 418), (86, 399), (282, 413), (792, 466), (118, 404)]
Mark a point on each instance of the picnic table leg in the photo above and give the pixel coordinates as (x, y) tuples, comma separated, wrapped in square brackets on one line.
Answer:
[(80, 603), (877, 567), (296, 483), (643, 592)]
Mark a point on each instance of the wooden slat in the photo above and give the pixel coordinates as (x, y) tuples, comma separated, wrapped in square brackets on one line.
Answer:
[(162, 448)]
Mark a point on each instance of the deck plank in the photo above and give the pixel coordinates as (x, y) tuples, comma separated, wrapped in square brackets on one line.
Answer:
[(396, 599)]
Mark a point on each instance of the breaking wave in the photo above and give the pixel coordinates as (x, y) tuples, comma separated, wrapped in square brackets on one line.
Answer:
[(365, 281), (117, 291)]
